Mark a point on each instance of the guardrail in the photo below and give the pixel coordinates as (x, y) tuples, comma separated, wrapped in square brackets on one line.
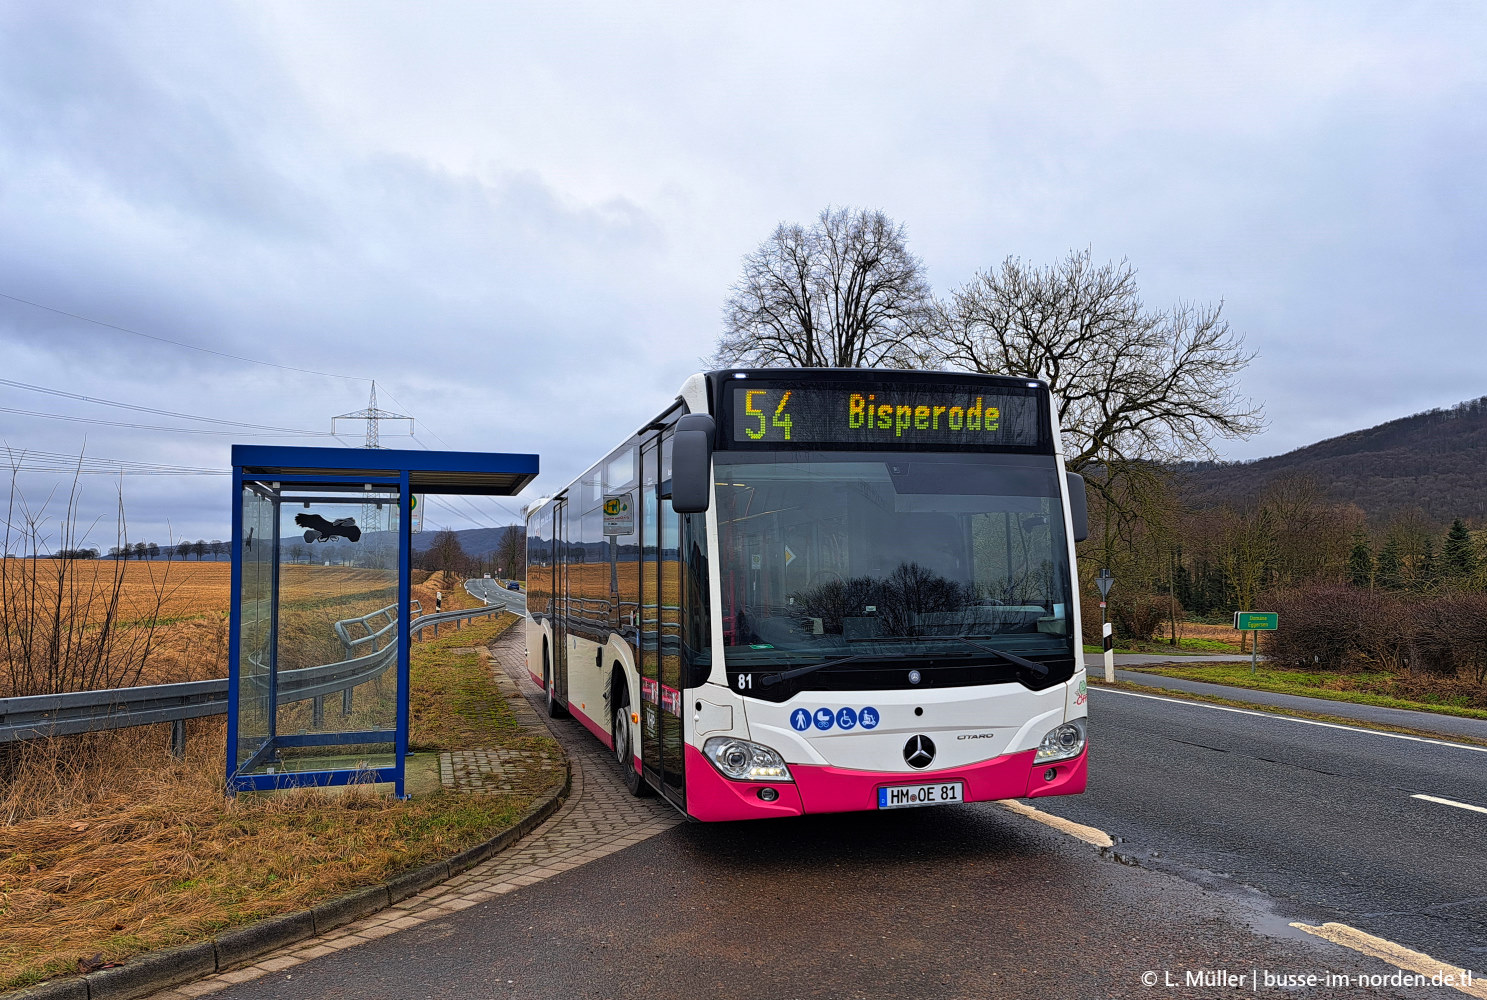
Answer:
[(45, 715), (388, 614)]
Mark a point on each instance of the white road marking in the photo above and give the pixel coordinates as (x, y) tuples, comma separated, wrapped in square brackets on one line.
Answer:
[(1398, 956), (1291, 718), (1450, 802), (1088, 834)]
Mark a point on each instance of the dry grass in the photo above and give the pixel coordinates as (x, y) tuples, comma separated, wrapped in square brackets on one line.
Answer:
[(191, 589), (191, 631), (118, 848)]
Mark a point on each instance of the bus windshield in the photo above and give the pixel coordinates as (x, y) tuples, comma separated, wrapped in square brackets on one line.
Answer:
[(827, 554)]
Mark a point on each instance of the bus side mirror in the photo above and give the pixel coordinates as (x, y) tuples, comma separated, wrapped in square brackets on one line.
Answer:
[(1078, 506), (692, 463)]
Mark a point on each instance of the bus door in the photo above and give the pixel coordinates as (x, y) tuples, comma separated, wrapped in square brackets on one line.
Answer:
[(661, 737), (560, 600)]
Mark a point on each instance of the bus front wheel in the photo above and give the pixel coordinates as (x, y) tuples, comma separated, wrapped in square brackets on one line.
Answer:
[(624, 748)]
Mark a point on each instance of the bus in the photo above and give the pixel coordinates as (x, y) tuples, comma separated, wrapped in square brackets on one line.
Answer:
[(822, 590)]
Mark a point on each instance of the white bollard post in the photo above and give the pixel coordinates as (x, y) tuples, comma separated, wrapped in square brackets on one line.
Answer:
[(1109, 654)]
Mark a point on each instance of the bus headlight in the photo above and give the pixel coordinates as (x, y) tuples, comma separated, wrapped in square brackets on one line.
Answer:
[(1061, 742), (745, 761)]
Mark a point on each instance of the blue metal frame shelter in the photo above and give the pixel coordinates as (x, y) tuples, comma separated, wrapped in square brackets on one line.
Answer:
[(273, 739)]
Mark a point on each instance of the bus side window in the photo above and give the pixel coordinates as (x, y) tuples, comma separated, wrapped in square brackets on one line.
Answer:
[(696, 601)]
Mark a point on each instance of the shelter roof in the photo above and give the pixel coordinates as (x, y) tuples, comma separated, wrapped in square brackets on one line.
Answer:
[(460, 472)]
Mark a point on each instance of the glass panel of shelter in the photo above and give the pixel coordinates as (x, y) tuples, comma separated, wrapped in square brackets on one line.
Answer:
[(255, 604), (338, 601), (316, 590)]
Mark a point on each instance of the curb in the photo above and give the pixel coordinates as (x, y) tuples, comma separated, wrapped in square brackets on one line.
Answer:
[(153, 971)]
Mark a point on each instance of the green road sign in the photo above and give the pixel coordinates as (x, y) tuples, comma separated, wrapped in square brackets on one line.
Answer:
[(1256, 621)]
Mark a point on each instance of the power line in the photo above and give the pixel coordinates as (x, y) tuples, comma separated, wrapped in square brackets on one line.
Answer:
[(508, 511), (159, 427), (177, 343), (26, 460), (184, 430), (162, 413)]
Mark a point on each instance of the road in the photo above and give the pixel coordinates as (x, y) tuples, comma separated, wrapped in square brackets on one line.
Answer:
[(495, 592), (1323, 820), (1224, 846)]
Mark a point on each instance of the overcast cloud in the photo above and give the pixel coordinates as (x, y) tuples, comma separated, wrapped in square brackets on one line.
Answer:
[(522, 220)]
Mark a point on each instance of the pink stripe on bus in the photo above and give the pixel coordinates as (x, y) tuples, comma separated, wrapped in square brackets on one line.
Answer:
[(712, 797), (824, 789), (592, 726)]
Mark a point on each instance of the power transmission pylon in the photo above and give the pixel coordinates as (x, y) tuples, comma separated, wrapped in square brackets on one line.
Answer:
[(371, 513)]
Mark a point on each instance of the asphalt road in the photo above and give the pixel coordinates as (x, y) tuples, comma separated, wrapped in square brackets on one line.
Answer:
[(1321, 819), (969, 903), (495, 592), (1231, 839)]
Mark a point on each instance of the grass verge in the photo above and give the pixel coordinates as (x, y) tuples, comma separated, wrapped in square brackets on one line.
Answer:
[(119, 849), (1185, 647), (1274, 710), (1364, 688)]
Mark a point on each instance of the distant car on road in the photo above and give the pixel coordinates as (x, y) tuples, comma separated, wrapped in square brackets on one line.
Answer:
[(487, 576), (513, 585)]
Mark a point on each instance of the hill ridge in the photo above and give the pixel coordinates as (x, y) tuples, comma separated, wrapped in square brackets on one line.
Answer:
[(1432, 460)]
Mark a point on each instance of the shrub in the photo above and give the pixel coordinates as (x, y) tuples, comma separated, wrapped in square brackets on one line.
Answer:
[(1138, 616), (1450, 636), (1336, 627), (1319, 626)]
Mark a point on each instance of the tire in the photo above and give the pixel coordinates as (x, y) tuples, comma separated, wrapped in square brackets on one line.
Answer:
[(624, 752), (555, 710)]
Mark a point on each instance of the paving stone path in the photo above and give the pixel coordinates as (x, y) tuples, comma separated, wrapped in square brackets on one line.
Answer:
[(599, 818)]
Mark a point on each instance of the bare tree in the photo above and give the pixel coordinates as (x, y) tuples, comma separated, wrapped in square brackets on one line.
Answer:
[(511, 552), (446, 554), (63, 628), (1132, 385), (844, 292)]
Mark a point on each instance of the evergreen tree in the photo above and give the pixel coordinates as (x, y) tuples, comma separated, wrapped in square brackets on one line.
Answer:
[(1360, 562), (1425, 572), (1458, 553), (1391, 565)]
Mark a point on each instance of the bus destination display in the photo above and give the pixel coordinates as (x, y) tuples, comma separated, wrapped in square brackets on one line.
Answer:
[(883, 413)]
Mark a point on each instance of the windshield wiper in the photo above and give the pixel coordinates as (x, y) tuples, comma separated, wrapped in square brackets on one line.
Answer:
[(770, 680), (1012, 658)]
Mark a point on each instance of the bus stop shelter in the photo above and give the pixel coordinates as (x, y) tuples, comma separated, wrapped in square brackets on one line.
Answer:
[(318, 658)]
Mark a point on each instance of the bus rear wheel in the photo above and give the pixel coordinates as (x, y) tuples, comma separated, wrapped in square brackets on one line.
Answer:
[(624, 751), (555, 708)]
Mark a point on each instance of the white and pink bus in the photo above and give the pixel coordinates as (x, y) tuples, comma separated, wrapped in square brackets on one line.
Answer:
[(821, 590)]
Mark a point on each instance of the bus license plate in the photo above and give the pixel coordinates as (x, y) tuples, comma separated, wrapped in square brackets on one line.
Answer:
[(905, 796)]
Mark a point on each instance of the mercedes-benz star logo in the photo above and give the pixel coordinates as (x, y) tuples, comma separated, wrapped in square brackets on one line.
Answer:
[(919, 752)]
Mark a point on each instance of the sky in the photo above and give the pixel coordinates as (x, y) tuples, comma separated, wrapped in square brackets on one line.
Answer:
[(522, 220)]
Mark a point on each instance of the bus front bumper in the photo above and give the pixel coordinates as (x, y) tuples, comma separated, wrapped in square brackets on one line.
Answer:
[(825, 789)]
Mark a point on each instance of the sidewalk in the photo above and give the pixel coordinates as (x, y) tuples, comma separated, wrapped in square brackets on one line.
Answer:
[(1430, 722)]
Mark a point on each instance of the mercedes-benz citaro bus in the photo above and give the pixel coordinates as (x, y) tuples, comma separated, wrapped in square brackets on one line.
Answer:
[(821, 590)]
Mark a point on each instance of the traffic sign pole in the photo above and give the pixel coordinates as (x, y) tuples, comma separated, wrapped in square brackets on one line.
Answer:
[(1255, 621), (1107, 633)]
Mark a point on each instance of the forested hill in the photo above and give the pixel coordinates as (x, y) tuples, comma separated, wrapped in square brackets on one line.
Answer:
[(477, 542), (1436, 461)]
